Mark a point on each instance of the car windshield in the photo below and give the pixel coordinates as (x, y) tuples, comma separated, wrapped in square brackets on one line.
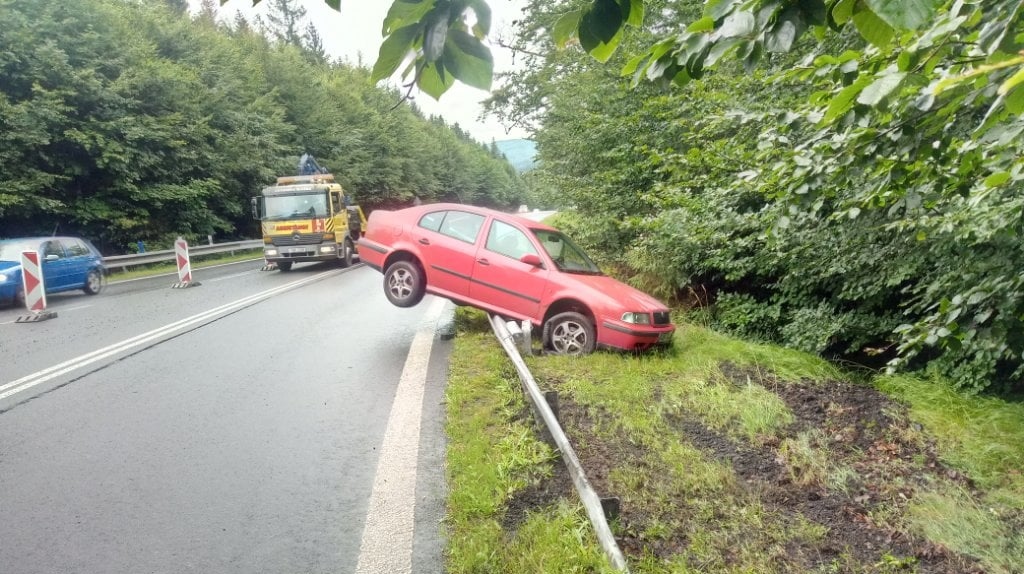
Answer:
[(302, 206), (10, 249), (566, 254)]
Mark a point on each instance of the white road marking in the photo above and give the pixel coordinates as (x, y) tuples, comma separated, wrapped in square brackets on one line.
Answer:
[(226, 277), (386, 546), (68, 366), (175, 273)]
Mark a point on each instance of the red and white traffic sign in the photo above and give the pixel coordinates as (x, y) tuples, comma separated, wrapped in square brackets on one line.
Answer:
[(35, 290), (184, 266), (32, 281)]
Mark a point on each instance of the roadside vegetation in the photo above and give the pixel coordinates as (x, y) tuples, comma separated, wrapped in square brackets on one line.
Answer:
[(731, 456)]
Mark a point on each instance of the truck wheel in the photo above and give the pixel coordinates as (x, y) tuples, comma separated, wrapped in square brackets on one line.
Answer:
[(569, 333), (404, 284), (284, 265), (346, 253)]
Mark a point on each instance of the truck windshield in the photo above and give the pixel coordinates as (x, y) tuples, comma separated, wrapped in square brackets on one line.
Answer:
[(566, 254), (300, 206)]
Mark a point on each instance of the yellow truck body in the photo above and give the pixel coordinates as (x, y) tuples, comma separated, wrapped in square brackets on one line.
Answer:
[(308, 218)]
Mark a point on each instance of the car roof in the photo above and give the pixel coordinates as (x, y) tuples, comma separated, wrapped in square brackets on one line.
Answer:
[(481, 211), (39, 238)]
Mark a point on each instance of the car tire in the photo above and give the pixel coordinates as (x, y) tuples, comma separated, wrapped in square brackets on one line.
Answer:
[(346, 253), (404, 284), (284, 265), (570, 333), (93, 282)]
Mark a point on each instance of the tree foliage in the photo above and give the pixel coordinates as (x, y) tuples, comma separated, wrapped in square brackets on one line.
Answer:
[(124, 120), (856, 191)]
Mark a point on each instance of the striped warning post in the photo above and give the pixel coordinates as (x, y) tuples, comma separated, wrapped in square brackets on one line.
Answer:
[(35, 289), (184, 265)]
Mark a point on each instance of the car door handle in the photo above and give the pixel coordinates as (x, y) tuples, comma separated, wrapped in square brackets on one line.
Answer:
[(483, 262), (425, 241)]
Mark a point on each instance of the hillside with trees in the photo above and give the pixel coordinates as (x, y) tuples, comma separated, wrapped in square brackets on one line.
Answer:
[(125, 120)]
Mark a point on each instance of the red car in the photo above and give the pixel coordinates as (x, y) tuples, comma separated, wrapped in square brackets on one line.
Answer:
[(512, 267)]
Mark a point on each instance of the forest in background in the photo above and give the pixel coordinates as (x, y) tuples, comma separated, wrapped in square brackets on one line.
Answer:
[(125, 120), (855, 192)]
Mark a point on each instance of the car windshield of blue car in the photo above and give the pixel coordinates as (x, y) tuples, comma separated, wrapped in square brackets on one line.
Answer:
[(10, 250), (566, 254)]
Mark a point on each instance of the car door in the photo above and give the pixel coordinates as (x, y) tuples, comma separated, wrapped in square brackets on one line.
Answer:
[(501, 280), (79, 261), (447, 241), (54, 264)]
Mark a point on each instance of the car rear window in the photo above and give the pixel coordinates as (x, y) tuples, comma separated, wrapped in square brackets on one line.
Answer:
[(462, 225), (432, 221)]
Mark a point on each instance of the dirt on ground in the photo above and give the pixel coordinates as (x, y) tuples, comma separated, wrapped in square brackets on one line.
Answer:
[(889, 460)]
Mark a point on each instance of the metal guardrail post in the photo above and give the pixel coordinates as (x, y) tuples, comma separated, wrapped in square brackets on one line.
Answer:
[(591, 501)]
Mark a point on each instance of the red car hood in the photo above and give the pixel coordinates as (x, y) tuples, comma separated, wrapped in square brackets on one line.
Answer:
[(629, 298)]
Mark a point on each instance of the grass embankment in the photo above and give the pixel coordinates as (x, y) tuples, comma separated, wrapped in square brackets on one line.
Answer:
[(152, 269), (730, 457)]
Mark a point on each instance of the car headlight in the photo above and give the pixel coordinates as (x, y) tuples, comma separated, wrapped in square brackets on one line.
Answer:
[(637, 318), (326, 248), (3, 278), (271, 251)]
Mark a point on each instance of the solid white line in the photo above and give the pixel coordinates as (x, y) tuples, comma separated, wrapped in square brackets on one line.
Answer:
[(76, 308), (68, 366), (386, 546), (233, 276), (175, 273)]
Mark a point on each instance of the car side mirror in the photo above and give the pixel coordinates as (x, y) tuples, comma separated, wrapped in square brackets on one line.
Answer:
[(531, 259)]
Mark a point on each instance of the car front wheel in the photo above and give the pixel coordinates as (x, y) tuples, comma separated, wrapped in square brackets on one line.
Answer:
[(93, 282), (570, 333), (403, 284)]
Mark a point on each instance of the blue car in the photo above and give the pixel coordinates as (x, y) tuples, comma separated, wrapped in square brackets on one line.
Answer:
[(68, 263)]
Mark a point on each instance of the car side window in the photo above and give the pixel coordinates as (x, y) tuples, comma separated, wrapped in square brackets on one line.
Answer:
[(462, 225), (507, 240), (53, 248), (76, 248), (432, 221)]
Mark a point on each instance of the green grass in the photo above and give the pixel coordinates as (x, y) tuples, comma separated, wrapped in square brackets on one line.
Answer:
[(153, 269), (493, 453), (683, 505)]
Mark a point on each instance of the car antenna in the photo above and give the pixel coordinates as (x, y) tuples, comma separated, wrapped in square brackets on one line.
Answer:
[(55, 228)]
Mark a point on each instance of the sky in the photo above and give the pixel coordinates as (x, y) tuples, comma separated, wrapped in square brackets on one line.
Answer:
[(355, 32)]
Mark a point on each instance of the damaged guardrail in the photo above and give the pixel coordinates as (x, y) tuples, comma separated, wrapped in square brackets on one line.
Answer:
[(588, 496)]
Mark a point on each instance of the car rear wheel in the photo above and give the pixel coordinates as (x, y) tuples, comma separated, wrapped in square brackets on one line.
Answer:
[(403, 284), (570, 333), (284, 265), (93, 282)]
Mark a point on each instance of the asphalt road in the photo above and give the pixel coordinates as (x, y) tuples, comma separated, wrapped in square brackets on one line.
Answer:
[(231, 427)]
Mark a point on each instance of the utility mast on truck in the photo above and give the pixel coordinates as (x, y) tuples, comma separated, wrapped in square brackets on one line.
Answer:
[(308, 217)]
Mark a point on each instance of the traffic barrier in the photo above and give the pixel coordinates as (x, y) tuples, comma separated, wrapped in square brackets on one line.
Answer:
[(34, 288), (184, 266), (268, 266)]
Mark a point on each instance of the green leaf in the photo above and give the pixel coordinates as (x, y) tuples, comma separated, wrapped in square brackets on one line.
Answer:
[(602, 21), (405, 13), (483, 18), (434, 81), (843, 101), (789, 26), (468, 59), (437, 33), (717, 9), (393, 51), (602, 52), (842, 11), (565, 27), (1015, 101), (1012, 82), (997, 179), (880, 88), (636, 13), (737, 25), (905, 14), (336, 4), (873, 28), (705, 24)]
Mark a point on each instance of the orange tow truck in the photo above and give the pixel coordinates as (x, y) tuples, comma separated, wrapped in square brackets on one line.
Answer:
[(307, 218)]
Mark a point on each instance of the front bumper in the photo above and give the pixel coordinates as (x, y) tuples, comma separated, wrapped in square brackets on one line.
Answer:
[(301, 253), (629, 337)]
